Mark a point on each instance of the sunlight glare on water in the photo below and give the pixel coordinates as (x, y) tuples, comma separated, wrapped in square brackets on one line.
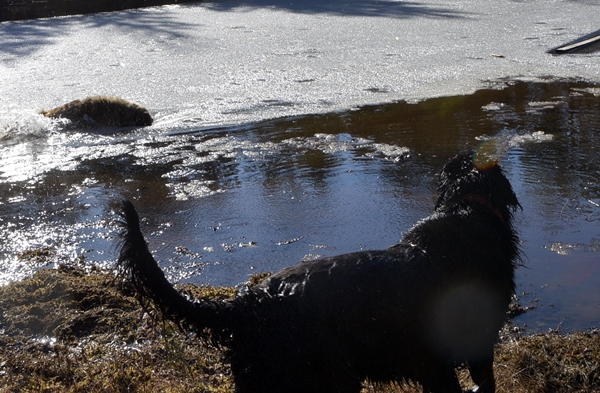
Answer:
[(220, 204)]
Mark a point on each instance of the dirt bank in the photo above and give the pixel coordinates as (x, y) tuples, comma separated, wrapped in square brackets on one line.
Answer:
[(77, 329)]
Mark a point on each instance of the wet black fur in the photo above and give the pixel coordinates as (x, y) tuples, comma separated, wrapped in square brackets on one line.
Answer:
[(411, 312)]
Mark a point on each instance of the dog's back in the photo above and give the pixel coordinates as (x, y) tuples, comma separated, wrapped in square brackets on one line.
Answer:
[(408, 312)]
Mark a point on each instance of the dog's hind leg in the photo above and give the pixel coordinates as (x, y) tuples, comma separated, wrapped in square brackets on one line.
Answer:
[(482, 373), (442, 379)]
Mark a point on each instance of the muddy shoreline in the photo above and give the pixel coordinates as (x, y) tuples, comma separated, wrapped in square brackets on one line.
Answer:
[(80, 328)]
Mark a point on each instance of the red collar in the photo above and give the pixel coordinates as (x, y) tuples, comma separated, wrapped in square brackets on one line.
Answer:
[(485, 202)]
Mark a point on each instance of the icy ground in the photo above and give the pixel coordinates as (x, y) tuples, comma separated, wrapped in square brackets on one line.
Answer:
[(207, 64)]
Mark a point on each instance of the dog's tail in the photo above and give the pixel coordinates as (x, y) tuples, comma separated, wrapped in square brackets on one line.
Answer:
[(139, 266)]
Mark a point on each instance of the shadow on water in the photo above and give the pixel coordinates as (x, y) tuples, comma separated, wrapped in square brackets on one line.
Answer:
[(386, 8), (23, 38), (222, 204), (26, 37)]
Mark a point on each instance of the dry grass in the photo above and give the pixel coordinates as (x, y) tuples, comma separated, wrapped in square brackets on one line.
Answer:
[(68, 330), (550, 362)]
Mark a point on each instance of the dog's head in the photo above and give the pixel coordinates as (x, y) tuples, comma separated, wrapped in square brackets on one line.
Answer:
[(461, 179)]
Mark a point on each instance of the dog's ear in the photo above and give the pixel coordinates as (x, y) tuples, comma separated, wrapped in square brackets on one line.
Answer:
[(500, 191)]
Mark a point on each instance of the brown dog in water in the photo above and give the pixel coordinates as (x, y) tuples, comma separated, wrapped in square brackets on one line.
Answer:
[(102, 111), (412, 312)]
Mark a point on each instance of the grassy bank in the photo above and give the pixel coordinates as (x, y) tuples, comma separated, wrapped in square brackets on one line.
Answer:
[(76, 330)]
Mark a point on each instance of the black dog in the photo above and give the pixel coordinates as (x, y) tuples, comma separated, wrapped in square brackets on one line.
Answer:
[(412, 312)]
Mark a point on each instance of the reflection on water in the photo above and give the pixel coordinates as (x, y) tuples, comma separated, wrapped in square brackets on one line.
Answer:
[(221, 204)]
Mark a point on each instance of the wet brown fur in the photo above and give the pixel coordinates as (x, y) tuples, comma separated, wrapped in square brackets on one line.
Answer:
[(102, 111)]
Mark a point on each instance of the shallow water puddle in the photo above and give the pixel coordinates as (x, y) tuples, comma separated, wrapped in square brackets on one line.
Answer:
[(221, 204)]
